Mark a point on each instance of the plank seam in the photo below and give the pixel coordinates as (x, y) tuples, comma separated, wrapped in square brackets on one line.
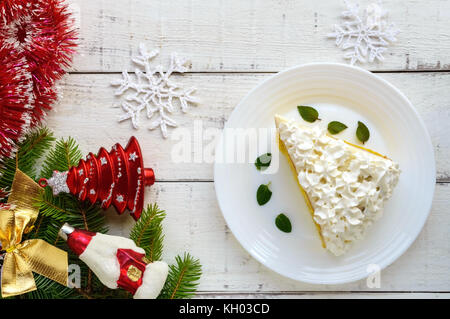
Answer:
[(438, 181), (256, 72), (320, 292)]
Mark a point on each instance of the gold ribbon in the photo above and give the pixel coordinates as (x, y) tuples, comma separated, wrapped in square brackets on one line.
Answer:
[(34, 255)]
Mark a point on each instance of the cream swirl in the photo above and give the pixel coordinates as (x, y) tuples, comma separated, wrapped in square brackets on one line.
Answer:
[(346, 186)]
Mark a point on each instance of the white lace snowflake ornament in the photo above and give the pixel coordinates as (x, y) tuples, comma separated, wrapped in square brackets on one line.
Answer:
[(364, 38), (153, 91)]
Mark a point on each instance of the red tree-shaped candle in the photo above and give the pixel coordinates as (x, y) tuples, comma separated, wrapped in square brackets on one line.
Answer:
[(117, 177)]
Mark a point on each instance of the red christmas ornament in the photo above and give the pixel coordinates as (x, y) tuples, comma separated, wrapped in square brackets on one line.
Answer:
[(42, 32), (117, 262), (117, 177), (16, 94)]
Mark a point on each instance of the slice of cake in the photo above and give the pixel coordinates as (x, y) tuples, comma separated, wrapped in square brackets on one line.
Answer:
[(344, 185)]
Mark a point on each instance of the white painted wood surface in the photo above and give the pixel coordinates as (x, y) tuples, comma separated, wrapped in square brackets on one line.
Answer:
[(335, 295), (251, 35), (195, 223), (233, 46), (87, 113)]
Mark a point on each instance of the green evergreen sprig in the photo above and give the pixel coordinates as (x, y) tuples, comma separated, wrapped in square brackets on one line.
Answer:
[(39, 147), (147, 233), (184, 275), (183, 278), (30, 151)]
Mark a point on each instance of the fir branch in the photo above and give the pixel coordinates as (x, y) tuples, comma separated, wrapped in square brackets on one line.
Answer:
[(39, 230), (55, 210), (31, 149), (66, 208), (82, 293), (147, 233), (49, 289), (62, 157), (54, 206), (183, 278)]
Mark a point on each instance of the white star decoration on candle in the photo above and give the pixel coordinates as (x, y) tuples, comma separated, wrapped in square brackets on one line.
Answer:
[(58, 183), (133, 156)]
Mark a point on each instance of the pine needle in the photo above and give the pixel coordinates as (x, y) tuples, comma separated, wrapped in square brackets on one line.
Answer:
[(32, 148), (147, 233), (62, 157), (183, 278), (66, 208)]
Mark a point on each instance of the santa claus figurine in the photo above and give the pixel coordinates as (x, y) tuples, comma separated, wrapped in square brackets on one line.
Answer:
[(117, 262)]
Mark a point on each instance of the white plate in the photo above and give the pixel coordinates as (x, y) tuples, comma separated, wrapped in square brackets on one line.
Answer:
[(347, 94)]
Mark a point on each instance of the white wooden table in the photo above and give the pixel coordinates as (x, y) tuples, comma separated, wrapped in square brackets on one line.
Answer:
[(234, 45)]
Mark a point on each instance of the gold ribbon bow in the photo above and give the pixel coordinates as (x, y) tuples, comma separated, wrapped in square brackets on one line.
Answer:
[(34, 255)]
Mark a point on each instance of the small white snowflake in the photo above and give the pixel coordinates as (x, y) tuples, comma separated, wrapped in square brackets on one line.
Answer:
[(119, 198), (364, 37), (154, 91), (103, 161), (80, 172), (133, 156), (92, 192)]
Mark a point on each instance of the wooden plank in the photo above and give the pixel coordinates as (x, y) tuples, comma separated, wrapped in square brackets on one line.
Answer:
[(86, 112), (194, 223), (322, 295), (252, 37), (237, 35)]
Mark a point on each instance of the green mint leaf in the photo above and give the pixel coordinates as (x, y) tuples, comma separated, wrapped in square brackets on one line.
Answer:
[(308, 113), (336, 127), (362, 132), (283, 223), (263, 194), (263, 161)]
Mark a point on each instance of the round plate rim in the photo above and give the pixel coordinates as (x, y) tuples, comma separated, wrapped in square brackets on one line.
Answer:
[(427, 138)]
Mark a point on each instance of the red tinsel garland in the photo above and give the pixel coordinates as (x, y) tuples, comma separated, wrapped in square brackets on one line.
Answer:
[(3, 194), (16, 97), (37, 37)]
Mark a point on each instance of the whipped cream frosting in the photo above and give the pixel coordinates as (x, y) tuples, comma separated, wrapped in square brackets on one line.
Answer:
[(346, 186)]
